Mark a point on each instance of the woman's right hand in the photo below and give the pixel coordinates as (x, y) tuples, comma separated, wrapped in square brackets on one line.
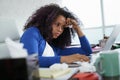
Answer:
[(74, 57)]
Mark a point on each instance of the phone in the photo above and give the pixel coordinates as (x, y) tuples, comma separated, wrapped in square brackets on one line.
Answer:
[(72, 65)]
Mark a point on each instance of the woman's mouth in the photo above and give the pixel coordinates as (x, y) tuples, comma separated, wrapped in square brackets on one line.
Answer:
[(56, 35)]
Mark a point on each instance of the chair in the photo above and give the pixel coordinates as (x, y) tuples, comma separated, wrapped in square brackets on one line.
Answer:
[(7, 29)]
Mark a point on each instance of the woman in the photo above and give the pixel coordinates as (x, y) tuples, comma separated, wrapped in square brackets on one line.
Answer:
[(47, 33)]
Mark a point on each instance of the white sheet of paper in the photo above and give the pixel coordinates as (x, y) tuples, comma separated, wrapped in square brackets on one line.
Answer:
[(16, 49)]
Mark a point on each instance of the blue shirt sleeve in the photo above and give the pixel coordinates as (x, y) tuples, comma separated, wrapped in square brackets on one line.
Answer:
[(30, 40), (34, 43), (48, 61), (83, 49)]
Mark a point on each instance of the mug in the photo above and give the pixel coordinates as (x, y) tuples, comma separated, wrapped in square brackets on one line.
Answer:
[(107, 64)]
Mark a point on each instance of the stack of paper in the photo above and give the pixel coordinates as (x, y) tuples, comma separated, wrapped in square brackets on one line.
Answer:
[(47, 73)]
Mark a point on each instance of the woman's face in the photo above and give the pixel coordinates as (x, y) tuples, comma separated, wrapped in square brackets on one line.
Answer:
[(58, 26)]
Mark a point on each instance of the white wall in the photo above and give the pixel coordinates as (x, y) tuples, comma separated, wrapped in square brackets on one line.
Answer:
[(20, 10)]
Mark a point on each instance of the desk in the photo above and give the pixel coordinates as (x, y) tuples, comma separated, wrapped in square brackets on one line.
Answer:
[(75, 71)]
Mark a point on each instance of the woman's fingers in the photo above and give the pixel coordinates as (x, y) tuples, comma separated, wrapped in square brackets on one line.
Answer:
[(82, 58), (70, 21), (74, 58)]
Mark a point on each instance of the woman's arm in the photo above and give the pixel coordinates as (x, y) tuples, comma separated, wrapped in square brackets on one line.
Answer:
[(34, 43), (85, 46), (48, 61), (70, 55), (84, 49), (73, 54)]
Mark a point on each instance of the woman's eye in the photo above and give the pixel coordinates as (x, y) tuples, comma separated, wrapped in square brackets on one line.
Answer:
[(57, 24)]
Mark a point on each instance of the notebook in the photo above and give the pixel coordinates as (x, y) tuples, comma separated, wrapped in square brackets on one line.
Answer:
[(112, 38)]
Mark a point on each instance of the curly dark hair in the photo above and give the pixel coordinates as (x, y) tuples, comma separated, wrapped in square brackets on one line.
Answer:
[(43, 19)]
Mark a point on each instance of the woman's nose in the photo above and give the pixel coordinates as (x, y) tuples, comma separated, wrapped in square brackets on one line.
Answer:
[(60, 29)]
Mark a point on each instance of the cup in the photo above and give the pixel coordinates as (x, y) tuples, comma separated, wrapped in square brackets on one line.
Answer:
[(33, 65), (107, 64)]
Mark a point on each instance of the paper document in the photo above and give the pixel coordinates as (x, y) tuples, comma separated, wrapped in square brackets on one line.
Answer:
[(46, 73), (16, 49)]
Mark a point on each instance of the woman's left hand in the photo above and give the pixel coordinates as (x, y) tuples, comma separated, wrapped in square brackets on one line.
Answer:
[(72, 22), (75, 26)]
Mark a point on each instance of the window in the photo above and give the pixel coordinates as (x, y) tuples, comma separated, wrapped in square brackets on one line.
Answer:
[(99, 15), (111, 12), (88, 11), (95, 13)]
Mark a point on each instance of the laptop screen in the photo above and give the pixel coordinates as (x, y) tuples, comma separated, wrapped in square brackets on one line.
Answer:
[(112, 38)]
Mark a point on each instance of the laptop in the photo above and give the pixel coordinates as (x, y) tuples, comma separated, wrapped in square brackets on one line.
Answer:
[(107, 45), (112, 38)]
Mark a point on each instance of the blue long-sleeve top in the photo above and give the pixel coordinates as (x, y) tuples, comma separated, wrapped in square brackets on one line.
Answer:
[(35, 43)]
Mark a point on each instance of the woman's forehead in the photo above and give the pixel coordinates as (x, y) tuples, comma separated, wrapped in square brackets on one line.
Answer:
[(61, 20)]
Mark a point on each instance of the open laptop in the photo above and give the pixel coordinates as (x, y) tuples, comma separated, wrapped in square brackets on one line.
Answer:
[(111, 40), (113, 36)]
